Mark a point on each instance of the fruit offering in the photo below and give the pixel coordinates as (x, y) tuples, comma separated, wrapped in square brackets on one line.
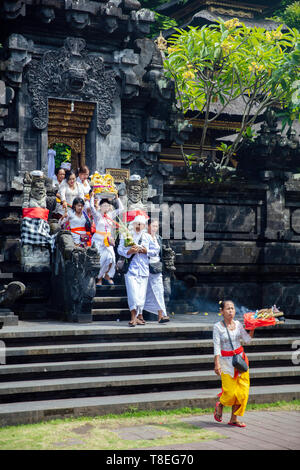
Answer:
[(103, 185)]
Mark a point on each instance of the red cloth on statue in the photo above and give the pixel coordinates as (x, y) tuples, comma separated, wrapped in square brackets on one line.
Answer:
[(35, 213)]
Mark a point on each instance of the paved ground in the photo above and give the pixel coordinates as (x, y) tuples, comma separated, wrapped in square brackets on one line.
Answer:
[(266, 430)]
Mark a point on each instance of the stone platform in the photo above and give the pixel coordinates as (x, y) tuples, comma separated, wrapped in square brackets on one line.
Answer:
[(56, 369)]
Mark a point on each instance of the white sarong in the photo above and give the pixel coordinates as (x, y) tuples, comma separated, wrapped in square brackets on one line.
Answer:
[(136, 287), (107, 257), (155, 295), (105, 225)]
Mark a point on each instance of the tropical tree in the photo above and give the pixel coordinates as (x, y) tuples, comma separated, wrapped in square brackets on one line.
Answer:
[(291, 16), (217, 65)]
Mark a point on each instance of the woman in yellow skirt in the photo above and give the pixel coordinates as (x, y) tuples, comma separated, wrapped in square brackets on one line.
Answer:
[(235, 384)]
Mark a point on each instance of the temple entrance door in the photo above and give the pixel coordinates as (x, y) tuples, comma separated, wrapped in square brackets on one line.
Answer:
[(69, 123)]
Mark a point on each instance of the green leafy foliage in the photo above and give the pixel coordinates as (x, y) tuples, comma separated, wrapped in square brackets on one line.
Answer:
[(291, 16), (288, 13), (218, 64), (283, 5), (162, 23), (63, 153)]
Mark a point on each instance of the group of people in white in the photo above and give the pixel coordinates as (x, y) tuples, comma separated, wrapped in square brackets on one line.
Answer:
[(91, 222)]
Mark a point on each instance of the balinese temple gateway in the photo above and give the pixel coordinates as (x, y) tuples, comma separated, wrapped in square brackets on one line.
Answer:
[(85, 73)]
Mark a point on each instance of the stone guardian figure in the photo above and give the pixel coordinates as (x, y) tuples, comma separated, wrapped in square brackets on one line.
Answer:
[(36, 241)]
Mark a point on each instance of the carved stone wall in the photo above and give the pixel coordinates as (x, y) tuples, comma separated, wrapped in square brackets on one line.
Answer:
[(121, 72), (251, 246), (83, 51)]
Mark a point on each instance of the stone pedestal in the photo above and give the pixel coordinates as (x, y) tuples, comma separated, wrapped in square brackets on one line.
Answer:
[(80, 317), (7, 317), (35, 258)]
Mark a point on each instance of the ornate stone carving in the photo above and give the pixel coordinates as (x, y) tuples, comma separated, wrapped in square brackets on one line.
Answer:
[(8, 296), (9, 142), (271, 150), (10, 293), (34, 190), (168, 258), (73, 142), (11, 9), (19, 51), (231, 12), (45, 14), (78, 19), (137, 193), (36, 240), (73, 280), (71, 73), (161, 42)]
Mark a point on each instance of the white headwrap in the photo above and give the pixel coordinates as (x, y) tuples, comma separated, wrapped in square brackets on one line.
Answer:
[(139, 219)]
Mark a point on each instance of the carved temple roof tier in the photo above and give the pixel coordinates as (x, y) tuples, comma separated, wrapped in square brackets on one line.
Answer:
[(103, 17), (204, 12), (85, 74)]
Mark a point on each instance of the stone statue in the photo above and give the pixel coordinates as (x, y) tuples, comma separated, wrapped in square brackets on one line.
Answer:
[(34, 194), (74, 278), (137, 192), (36, 241), (10, 293), (8, 296), (168, 259)]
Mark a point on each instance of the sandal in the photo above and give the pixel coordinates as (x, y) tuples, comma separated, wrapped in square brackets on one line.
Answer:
[(139, 321), (131, 324), (164, 320), (237, 424), (217, 415)]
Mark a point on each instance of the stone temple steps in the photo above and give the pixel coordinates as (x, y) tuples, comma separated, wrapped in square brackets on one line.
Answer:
[(58, 369), (110, 303)]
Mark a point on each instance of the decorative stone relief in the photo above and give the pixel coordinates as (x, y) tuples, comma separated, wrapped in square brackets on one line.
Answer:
[(45, 14), (295, 221), (10, 293), (71, 73), (73, 278), (36, 240), (19, 51), (11, 9), (137, 193)]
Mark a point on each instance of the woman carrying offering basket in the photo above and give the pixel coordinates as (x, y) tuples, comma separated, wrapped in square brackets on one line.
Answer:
[(137, 253), (103, 216), (231, 364)]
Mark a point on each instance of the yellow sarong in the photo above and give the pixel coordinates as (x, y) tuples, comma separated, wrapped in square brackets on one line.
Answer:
[(235, 391)]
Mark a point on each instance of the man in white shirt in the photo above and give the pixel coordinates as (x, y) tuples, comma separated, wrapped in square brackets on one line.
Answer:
[(136, 278)]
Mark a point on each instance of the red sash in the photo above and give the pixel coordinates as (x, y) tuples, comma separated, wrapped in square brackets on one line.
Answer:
[(35, 213), (77, 230), (232, 353)]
